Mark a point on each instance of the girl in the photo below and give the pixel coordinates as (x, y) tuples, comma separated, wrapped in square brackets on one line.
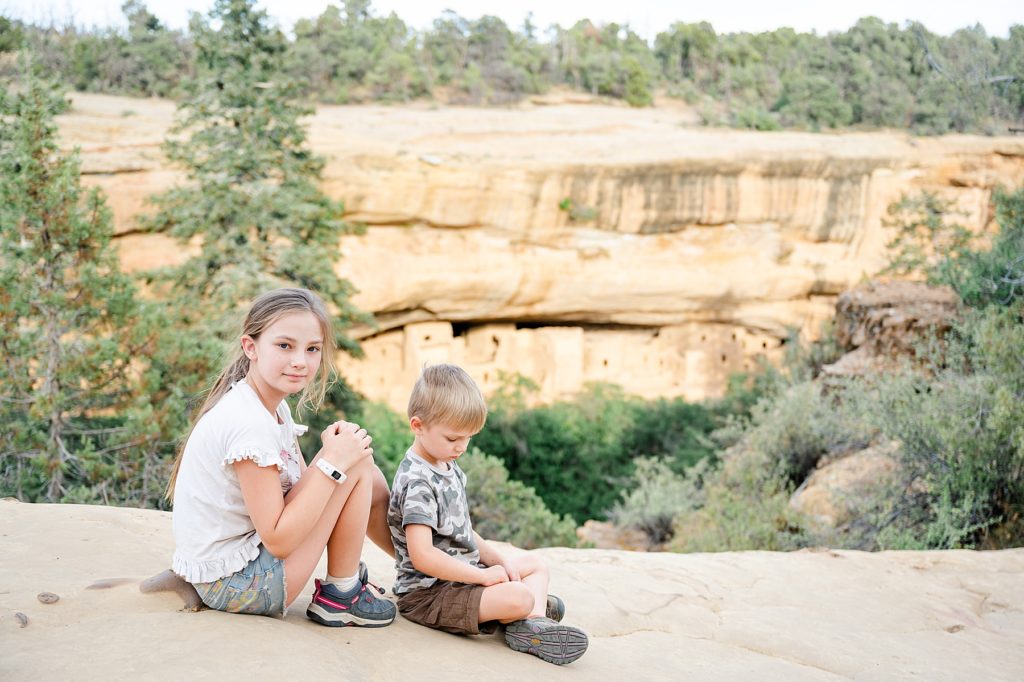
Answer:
[(250, 519)]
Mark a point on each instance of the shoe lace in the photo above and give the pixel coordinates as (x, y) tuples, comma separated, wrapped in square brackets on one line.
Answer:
[(374, 586)]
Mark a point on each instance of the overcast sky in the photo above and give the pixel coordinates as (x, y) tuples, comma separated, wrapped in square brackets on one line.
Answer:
[(647, 17)]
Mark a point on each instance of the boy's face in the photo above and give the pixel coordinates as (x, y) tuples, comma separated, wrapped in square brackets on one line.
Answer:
[(439, 444)]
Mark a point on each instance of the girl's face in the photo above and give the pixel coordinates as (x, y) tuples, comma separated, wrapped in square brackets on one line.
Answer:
[(285, 357)]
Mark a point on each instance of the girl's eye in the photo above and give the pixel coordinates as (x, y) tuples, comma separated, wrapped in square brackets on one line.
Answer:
[(313, 349), (285, 346)]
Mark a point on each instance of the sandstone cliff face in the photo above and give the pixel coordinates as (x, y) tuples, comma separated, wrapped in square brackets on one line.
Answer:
[(580, 243)]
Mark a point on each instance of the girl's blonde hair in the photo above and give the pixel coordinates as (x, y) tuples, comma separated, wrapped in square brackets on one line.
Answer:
[(446, 394), (267, 309)]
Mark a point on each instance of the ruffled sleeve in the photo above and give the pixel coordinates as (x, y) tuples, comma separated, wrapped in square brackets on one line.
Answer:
[(262, 457)]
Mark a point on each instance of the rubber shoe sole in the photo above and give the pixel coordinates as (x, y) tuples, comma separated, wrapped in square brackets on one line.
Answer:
[(340, 620), (551, 642)]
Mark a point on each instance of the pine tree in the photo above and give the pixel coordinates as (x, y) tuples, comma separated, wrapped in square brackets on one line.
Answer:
[(252, 204), (64, 309)]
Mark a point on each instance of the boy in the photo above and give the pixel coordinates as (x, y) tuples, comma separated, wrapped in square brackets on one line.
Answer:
[(449, 577)]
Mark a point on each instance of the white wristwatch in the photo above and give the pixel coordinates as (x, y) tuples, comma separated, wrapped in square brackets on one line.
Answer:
[(335, 474)]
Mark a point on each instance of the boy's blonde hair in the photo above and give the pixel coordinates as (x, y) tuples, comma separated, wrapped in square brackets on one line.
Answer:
[(446, 394)]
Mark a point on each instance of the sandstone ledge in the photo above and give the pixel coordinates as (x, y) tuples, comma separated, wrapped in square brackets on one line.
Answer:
[(822, 615)]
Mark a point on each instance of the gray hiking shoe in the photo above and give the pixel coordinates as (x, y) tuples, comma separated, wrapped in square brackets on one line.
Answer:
[(361, 607), (546, 639), (555, 609)]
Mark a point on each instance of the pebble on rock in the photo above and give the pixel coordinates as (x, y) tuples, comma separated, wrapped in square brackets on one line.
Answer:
[(48, 597)]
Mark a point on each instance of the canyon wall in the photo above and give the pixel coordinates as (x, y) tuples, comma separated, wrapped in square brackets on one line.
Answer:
[(579, 243)]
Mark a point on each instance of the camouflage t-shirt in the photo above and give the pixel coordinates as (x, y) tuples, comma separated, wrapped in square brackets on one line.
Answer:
[(424, 495)]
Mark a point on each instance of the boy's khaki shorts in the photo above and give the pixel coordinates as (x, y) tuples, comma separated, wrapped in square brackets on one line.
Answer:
[(448, 606)]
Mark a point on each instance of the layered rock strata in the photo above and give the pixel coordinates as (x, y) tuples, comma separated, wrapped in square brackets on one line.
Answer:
[(580, 243)]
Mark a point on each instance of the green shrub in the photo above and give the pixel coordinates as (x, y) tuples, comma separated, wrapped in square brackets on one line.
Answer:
[(756, 118), (962, 440), (672, 430), (392, 436), (579, 454), (657, 496), (930, 242), (746, 507), (570, 452), (745, 498), (995, 276), (803, 424), (506, 510)]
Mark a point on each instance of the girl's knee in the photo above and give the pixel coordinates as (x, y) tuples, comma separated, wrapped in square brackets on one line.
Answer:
[(381, 494), (365, 472)]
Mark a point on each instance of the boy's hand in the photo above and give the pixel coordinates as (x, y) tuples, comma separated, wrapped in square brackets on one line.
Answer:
[(510, 570), (492, 575)]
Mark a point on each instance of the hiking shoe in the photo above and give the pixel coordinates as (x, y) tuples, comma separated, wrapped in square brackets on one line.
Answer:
[(364, 575), (555, 609), (364, 578), (546, 639), (359, 607)]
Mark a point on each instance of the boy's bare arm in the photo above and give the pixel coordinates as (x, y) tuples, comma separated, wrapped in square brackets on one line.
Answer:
[(430, 560)]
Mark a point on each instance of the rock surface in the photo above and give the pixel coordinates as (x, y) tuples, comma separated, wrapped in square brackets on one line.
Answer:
[(608, 243), (810, 615), (838, 488), (882, 323)]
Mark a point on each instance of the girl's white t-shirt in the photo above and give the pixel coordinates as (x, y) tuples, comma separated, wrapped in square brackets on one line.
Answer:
[(213, 533)]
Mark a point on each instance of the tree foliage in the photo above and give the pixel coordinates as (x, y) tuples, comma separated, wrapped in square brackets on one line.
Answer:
[(65, 309), (873, 75), (251, 212)]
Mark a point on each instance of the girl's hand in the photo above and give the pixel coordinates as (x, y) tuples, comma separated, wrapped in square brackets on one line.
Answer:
[(492, 575), (345, 445)]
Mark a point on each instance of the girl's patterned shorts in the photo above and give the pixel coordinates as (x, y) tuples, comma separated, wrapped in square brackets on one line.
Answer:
[(258, 588)]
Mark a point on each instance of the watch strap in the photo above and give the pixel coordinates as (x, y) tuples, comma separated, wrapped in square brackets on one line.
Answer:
[(332, 472)]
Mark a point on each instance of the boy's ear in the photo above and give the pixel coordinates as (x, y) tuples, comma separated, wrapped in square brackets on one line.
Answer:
[(416, 424)]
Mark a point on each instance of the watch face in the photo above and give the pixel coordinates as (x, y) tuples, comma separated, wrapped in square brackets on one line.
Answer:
[(336, 475)]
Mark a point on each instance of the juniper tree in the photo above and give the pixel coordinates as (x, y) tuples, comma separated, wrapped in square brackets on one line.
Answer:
[(251, 213), (64, 309)]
